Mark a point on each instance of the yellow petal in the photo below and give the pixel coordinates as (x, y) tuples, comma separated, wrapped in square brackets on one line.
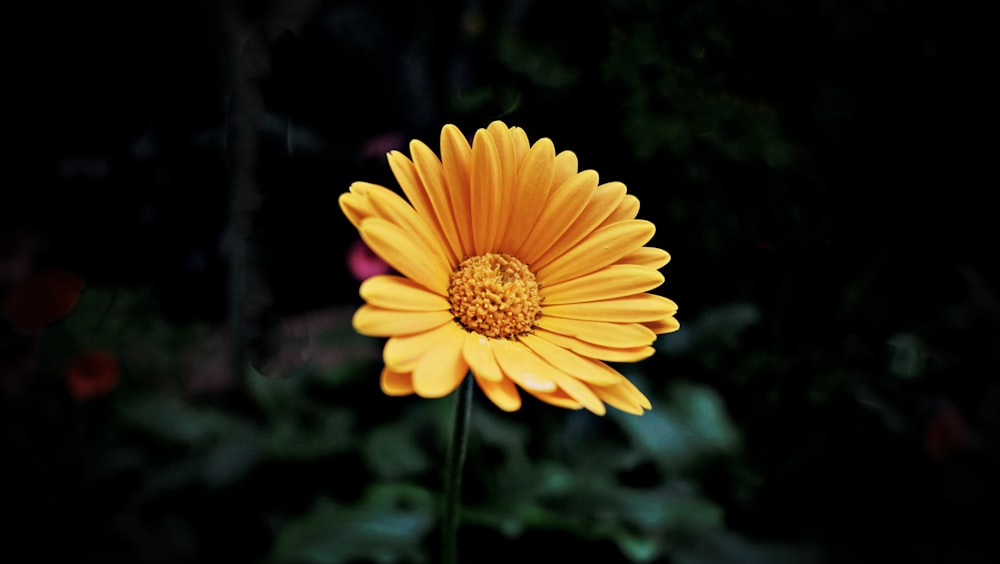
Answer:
[(431, 173), (636, 308), (564, 167), (478, 352), (647, 256), (624, 396), (379, 322), (661, 326), (602, 248), (390, 206), (571, 362), (614, 281), (590, 350), (557, 398), (524, 367), (396, 383), (561, 210), (456, 156), (402, 252), (521, 144), (486, 191), (507, 161), (429, 200), (531, 191), (614, 397), (581, 393), (629, 389), (617, 335), (502, 392), (627, 209), (603, 201), (440, 369), (402, 353), (355, 206), (395, 292)]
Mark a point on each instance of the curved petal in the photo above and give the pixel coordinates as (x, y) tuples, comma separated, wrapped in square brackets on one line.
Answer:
[(396, 383), (441, 369), (402, 353), (561, 210), (627, 209), (647, 256), (593, 351), (478, 353), (502, 392), (524, 367), (624, 396), (570, 362), (557, 398), (666, 325), (564, 167), (617, 335), (603, 201), (615, 281), (355, 205), (456, 156), (395, 292), (602, 248), (629, 309), (507, 162), (439, 372), (400, 251), (390, 206), (379, 322), (613, 396), (582, 393), (427, 196), (530, 191), (521, 144), (485, 188), (633, 392), (431, 173)]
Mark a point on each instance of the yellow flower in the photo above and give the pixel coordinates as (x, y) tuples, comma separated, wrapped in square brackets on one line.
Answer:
[(515, 266)]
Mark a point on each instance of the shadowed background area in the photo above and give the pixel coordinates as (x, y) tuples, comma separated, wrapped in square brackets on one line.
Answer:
[(170, 176)]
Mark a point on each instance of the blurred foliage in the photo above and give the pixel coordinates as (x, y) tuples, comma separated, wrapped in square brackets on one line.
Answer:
[(812, 168)]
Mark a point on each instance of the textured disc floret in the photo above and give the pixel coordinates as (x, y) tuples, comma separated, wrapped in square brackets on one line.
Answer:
[(495, 295)]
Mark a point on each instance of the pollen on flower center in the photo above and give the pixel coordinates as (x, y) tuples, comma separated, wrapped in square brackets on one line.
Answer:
[(495, 295)]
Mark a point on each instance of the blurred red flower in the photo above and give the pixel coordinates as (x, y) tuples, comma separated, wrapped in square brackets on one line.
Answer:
[(947, 433), (92, 374), (42, 300)]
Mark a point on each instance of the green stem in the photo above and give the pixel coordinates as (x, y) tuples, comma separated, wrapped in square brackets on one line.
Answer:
[(453, 476)]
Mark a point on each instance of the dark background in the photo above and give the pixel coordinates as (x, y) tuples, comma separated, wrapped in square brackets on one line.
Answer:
[(818, 170)]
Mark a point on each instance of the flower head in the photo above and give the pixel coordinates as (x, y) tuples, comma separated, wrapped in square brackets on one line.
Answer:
[(513, 265)]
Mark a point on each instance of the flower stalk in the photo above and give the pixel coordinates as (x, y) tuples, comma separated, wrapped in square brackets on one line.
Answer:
[(453, 471)]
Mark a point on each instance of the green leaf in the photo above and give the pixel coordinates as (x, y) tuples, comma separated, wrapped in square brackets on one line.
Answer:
[(392, 452), (693, 423), (387, 526), (172, 420)]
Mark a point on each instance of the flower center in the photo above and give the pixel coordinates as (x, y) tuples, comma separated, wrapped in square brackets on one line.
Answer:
[(495, 295)]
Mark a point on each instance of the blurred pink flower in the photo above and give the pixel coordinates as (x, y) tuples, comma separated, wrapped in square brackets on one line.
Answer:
[(363, 263), (376, 146)]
